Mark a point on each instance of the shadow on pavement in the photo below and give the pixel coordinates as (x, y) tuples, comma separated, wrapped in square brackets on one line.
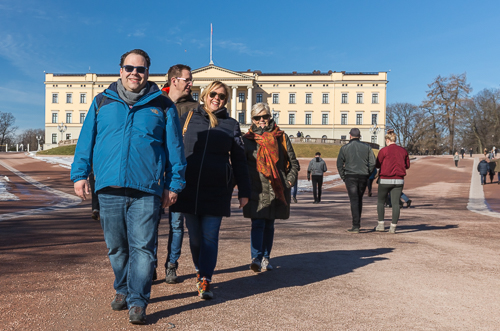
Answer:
[(290, 271), (424, 227)]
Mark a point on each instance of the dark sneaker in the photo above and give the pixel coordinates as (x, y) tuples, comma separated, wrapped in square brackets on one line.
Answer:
[(255, 265), (204, 292), (119, 302), (137, 315), (171, 273), (95, 215), (408, 204), (266, 265), (353, 230), (294, 199)]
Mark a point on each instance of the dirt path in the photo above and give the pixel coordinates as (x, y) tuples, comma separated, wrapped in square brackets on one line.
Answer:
[(439, 272)]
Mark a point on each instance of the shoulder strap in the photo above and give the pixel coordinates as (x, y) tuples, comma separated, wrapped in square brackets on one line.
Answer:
[(188, 118), (100, 105)]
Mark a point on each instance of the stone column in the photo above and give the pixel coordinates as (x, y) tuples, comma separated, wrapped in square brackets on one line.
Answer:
[(233, 103), (248, 117)]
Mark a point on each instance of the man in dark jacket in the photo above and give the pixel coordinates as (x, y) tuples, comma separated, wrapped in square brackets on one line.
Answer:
[(483, 167), (177, 89), (316, 168), (355, 163)]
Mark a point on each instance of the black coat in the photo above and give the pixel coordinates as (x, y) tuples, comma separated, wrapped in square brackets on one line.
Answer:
[(483, 167), (209, 172)]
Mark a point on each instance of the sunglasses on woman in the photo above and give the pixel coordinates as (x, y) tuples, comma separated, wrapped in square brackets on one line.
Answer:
[(140, 69), (222, 96), (265, 117)]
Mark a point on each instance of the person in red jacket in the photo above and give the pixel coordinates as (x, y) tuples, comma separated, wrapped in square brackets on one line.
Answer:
[(393, 161)]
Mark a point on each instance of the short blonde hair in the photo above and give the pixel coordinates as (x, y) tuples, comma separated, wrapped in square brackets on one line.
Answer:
[(258, 107), (391, 136), (213, 86)]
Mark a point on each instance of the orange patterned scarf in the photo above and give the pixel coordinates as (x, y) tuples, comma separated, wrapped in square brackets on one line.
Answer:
[(268, 156)]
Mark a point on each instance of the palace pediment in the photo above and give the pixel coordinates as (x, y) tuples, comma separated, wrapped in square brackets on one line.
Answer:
[(212, 72)]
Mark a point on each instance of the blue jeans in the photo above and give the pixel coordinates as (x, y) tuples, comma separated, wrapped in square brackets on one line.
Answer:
[(295, 188), (204, 242), (129, 219), (261, 238), (175, 237), (483, 179)]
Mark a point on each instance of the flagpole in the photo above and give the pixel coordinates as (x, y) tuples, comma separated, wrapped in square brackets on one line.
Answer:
[(211, 33)]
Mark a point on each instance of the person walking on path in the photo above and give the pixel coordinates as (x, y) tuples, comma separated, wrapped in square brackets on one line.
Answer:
[(215, 158), (316, 169), (295, 187), (456, 158), (355, 163), (462, 151), (273, 170), (483, 167), (470, 152), (492, 165), (178, 90), (393, 161), (132, 139)]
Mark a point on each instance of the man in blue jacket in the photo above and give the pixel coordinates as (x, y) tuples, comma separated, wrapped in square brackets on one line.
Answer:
[(133, 139)]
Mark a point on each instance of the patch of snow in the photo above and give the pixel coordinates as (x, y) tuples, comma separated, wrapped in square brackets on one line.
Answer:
[(5, 195), (62, 161)]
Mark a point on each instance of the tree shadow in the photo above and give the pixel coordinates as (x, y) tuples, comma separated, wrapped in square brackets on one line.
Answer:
[(424, 227), (289, 271)]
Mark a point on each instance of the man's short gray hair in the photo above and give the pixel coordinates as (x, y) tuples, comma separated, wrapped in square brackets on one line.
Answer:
[(258, 107)]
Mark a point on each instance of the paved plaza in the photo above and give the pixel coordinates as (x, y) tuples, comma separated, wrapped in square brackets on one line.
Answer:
[(440, 271)]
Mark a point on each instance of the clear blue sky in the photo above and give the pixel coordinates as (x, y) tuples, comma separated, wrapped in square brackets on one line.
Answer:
[(416, 40)]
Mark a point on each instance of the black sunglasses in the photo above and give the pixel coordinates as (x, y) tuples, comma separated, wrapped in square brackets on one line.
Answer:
[(140, 70), (257, 118), (222, 96)]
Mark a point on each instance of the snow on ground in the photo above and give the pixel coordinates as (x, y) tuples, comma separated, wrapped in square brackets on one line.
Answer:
[(4, 190), (63, 161)]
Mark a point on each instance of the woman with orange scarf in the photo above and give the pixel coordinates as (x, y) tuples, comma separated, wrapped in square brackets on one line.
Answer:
[(273, 170)]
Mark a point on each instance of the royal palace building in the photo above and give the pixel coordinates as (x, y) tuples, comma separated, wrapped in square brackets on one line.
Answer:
[(318, 104)]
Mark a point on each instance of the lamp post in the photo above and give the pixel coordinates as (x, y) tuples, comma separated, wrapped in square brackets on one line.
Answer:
[(62, 128), (374, 130), (38, 137)]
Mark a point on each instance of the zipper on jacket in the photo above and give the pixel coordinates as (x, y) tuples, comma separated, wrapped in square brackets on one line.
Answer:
[(201, 168)]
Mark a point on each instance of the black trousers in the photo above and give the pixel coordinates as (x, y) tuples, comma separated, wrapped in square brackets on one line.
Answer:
[(356, 187), (317, 183), (95, 200)]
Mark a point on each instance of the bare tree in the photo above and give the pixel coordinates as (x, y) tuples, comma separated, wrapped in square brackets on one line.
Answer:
[(408, 122), (29, 137), (445, 98), (7, 128)]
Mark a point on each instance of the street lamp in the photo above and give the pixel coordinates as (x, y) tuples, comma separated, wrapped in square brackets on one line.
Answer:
[(62, 128), (38, 137), (374, 130)]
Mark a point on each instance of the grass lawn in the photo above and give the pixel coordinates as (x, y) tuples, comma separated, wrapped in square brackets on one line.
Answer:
[(62, 150)]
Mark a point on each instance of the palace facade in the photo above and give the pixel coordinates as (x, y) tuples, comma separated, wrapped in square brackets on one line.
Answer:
[(320, 105)]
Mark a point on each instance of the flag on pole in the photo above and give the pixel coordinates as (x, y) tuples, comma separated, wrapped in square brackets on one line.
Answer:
[(211, 29)]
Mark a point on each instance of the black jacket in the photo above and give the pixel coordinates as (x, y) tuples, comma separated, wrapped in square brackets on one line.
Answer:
[(355, 159), (483, 167), (213, 155)]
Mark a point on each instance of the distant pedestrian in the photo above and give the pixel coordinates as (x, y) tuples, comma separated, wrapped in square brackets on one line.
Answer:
[(456, 158), (393, 161), (470, 152), (462, 151), (483, 167), (406, 199), (485, 152), (491, 171), (369, 185), (295, 187), (355, 163), (299, 134), (316, 169), (491, 155)]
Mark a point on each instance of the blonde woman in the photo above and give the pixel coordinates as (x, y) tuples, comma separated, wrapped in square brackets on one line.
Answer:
[(214, 153)]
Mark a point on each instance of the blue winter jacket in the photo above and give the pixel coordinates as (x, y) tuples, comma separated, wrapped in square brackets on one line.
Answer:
[(139, 147)]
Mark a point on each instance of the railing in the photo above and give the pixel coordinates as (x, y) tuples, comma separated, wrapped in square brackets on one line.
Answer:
[(301, 140)]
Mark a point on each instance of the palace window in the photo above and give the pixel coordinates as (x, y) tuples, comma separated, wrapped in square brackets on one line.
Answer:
[(195, 96), (375, 98), (308, 98), (276, 98), (359, 119), (241, 97), (343, 119), (54, 117), (325, 98), (359, 98), (55, 98), (82, 117), (291, 119), (291, 99), (83, 97), (374, 119), (241, 118), (69, 98), (54, 138), (344, 97), (258, 97), (324, 119), (68, 117)]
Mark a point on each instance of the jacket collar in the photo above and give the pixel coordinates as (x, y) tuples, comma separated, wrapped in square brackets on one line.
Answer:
[(153, 92)]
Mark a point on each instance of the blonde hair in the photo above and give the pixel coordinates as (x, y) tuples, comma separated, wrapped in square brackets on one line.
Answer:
[(258, 107), (391, 136), (213, 86)]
